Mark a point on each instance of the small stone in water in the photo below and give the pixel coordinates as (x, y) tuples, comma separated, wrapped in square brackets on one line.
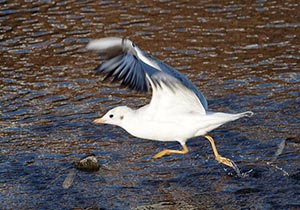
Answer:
[(89, 163)]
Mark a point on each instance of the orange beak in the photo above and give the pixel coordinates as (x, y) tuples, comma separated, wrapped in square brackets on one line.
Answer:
[(99, 121)]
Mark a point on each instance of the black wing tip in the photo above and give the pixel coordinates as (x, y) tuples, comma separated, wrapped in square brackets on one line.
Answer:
[(126, 70)]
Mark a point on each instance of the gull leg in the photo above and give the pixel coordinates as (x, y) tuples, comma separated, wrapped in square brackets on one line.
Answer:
[(170, 151), (218, 157)]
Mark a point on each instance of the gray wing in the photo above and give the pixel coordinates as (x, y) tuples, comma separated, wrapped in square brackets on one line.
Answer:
[(135, 69)]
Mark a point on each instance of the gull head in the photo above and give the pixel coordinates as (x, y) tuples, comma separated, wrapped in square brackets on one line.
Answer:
[(114, 116)]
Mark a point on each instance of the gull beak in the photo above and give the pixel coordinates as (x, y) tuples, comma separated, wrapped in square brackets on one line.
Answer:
[(99, 121)]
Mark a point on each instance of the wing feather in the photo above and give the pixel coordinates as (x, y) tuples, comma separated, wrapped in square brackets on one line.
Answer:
[(136, 70)]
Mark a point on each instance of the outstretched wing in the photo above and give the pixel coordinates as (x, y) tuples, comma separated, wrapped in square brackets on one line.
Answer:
[(136, 70)]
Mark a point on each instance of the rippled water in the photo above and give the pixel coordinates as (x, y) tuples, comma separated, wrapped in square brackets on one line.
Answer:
[(242, 56)]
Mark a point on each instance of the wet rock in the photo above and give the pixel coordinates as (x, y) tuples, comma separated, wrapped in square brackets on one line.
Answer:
[(88, 163)]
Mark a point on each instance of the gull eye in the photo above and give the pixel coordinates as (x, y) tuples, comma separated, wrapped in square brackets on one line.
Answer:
[(111, 116), (133, 45)]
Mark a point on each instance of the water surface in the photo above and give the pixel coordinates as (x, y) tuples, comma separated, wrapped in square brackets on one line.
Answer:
[(242, 56)]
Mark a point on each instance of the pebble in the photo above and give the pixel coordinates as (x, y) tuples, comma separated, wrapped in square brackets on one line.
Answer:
[(88, 163)]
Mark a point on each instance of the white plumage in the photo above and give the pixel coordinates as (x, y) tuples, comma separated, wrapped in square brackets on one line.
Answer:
[(177, 111)]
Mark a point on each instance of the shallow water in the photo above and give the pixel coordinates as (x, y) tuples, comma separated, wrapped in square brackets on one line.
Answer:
[(242, 56)]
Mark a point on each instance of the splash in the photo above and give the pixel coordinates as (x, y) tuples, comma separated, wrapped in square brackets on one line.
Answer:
[(238, 171)]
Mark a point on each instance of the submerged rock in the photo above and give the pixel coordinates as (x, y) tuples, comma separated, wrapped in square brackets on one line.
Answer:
[(88, 163), (69, 179)]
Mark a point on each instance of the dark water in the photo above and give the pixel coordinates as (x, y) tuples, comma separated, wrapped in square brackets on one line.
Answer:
[(242, 56)]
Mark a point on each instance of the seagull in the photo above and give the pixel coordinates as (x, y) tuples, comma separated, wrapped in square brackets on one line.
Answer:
[(178, 111)]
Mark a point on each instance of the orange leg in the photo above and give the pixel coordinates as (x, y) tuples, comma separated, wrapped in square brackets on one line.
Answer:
[(170, 151), (218, 157)]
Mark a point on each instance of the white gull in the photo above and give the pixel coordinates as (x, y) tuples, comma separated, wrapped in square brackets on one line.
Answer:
[(177, 111)]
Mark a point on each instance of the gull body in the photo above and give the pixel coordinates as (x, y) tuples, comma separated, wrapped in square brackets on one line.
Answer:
[(177, 111), (142, 123)]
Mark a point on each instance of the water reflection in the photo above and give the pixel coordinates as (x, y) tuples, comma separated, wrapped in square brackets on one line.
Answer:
[(243, 56)]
